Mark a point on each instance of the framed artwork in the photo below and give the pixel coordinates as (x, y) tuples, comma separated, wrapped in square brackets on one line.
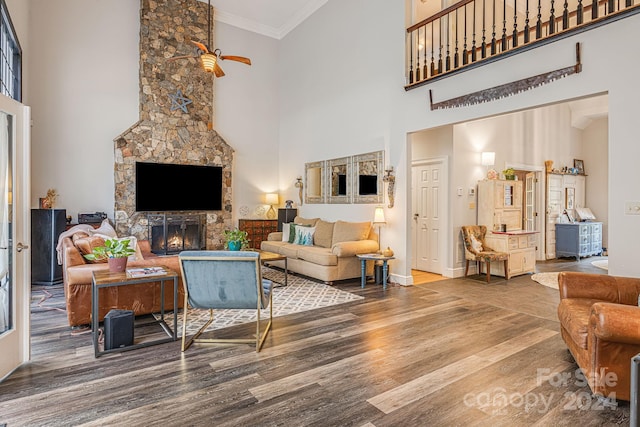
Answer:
[(570, 198), (579, 164)]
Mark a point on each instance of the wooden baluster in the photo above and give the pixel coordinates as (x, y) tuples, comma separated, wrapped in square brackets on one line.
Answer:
[(504, 25), (448, 57), (579, 13), (473, 46), (483, 48), (594, 9), (514, 36), (433, 65), (539, 23), (411, 58), (526, 25), (418, 55), (565, 16), (465, 53), (424, 54), (440, 68), (552, 19), (456, 61), (493, 35)]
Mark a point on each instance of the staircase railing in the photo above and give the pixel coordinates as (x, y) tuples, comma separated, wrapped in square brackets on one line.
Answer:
[(474, 32)]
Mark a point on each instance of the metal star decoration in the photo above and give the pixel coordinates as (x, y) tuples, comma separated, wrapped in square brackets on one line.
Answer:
[(178, 100)]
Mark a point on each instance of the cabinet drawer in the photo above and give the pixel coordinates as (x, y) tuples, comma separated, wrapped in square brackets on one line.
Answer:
[(585, 229), (584, 249), (532, 240), (596, 237), (596, 247), (513, 243), (585, 238), (523, 242), (596, 228)]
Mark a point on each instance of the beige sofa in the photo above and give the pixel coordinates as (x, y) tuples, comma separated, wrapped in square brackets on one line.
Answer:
[(333, 254)]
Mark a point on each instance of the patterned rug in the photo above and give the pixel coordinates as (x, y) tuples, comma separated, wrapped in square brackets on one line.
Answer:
[(601, 263), (300, 295), (549, 280)]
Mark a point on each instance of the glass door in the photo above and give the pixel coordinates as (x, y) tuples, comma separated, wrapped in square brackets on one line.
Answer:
[(15, 289)]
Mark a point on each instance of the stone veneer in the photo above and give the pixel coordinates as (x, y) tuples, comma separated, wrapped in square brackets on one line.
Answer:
[(165, 136)]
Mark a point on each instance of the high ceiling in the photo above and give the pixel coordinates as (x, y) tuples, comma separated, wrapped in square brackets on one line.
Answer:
[(273, 18)]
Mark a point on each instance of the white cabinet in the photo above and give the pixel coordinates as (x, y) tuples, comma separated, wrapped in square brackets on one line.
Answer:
[(500, 202), (579, 239), (557, 201), (521, 247)]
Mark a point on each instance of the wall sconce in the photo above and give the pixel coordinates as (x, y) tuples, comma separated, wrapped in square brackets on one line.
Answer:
[(299, 186), (488, 159), (379, 220), (391, 184), (271, 199)]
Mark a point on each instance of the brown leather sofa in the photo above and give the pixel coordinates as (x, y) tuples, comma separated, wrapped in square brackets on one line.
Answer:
[(141, 298), (600, 323)]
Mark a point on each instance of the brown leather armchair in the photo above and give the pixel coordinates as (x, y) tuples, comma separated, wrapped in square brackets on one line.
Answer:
[(600, 323)]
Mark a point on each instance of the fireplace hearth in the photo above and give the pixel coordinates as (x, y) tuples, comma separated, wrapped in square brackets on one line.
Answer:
[(171, 234)]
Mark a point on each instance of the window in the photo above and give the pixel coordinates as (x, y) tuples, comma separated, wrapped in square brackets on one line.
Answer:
[(10, 57)]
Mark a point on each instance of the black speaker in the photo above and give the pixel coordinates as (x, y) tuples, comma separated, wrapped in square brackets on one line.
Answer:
[(118, 329)]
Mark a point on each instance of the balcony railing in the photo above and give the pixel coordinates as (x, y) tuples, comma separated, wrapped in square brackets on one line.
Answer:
[(473, 32)]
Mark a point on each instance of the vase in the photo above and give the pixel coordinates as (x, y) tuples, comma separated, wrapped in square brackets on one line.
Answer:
[(117, 265), (235, 246)]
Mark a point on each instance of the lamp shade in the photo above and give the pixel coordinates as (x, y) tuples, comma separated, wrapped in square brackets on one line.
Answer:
[(271, 198), (378, 216), (208, 61), (488, 158)]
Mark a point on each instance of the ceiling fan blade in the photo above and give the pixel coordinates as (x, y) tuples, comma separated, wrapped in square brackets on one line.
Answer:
[(182, 57), (236, 58), (217, 70), (200, 46)]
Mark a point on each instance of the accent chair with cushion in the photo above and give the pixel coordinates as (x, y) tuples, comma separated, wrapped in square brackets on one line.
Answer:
[(600, 323), (475, 249), (224, 280)]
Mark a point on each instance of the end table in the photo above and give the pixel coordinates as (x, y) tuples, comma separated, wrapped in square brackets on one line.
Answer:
[(374, 257)]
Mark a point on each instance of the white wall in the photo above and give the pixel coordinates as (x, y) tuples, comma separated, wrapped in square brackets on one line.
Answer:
[(595, 154), (341, 90), (83, 81)]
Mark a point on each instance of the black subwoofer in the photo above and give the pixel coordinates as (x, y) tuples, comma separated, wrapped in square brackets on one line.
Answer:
[(118, 329)]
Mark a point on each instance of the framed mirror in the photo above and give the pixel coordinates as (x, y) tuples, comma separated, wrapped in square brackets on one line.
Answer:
[(368, 170), (339, 180), (315, 178)]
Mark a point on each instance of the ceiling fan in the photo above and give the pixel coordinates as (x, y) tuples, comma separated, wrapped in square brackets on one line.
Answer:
[(209, 58)]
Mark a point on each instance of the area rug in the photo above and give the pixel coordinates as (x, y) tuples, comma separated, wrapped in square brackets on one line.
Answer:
[(601, 263), (549, 280), (299, 295)]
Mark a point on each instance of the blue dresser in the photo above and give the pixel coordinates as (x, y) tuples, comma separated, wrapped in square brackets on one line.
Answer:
[(579, 239)]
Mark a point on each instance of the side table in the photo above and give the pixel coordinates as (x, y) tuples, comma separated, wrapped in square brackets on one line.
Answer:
[(374, 257), (105, 279)]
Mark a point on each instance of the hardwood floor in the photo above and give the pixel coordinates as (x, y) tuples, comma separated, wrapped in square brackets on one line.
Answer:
[(455, 352)]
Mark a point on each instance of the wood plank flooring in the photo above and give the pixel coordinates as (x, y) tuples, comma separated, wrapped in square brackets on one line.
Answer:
[(454, 352)]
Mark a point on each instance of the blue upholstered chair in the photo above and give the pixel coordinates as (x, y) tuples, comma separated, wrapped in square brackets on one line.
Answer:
[(224, 280)]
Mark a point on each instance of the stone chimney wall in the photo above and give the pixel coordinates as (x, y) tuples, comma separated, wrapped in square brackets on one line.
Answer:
[(163, 134)]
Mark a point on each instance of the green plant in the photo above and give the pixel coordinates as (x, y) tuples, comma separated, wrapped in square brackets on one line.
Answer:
[(113, 248), (509, 172), (236, 236)]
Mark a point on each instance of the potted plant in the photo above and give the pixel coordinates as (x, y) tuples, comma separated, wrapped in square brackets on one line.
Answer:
[(235, 240), (509, 174), (117, 251)]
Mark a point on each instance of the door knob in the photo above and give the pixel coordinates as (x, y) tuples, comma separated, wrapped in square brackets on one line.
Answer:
[(415, 216), (20, 247)]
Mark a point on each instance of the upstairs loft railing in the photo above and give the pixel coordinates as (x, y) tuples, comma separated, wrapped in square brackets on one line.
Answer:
[(473, 32)]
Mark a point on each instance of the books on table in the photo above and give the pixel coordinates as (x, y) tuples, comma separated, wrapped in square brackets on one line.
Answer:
[(146, 272)]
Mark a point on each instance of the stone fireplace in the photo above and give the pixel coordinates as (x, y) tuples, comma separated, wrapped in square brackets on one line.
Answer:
[(165, 133)]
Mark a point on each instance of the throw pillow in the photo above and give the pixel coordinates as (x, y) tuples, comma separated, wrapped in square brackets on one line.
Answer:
[(86, 244), (324, 234), (476, 244), (286, 231), (344, 231), (79, 235), (105, 229), (305, 221), (304, 235)]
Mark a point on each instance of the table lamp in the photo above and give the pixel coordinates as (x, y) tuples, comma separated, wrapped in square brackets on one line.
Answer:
[(378, 219), (271, 199)]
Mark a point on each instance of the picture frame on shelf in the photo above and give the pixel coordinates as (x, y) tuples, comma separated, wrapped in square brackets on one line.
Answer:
[(570, 198), (579, 165)]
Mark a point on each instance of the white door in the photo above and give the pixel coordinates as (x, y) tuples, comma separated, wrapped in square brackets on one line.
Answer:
[(15, 259), (530, 201), (555, 206), (429, 189)]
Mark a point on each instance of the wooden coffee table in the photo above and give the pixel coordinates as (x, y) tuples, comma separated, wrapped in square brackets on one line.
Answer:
[(266, 257)]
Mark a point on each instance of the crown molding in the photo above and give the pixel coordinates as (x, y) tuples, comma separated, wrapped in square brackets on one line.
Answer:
[(277, 33)]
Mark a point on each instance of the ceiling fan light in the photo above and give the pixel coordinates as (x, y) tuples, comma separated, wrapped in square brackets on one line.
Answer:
[(208, 61)]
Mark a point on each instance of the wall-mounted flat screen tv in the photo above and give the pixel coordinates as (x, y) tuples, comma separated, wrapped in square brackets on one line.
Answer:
[(170, 187)]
